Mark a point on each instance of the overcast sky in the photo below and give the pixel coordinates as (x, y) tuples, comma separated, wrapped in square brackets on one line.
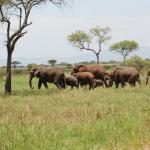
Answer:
[(47, 36)]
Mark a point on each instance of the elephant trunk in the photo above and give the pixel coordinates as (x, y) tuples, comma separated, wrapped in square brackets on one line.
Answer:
[(30, 80)]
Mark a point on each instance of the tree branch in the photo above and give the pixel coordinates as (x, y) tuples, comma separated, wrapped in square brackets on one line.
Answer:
[(23, 26), (16, 39), (4, 19), (82, 46)]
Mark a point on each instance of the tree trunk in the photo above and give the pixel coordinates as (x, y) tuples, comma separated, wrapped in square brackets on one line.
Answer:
[(97, 57), (124, 58), (8, 73)]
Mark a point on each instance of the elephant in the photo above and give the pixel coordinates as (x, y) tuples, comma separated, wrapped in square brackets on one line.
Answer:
[(123, 75), (148, 74), (72, 81), (85, 78), (98, 83), (97, 70), (45, 74)]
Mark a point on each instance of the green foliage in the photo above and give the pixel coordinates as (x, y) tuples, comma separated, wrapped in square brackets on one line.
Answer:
[(15, 63), (124, 47), (137, 62), (79, 38), (101, 34), (4, 2)]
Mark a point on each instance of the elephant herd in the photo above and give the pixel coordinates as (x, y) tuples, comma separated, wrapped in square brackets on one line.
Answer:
[(82, 75)]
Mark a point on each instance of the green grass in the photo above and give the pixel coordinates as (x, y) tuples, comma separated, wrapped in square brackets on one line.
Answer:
[(53, 119)]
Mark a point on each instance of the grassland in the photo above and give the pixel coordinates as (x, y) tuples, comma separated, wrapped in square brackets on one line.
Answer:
[(100, 119)]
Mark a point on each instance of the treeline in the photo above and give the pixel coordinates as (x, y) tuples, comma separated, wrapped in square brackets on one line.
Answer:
[(135, 61)]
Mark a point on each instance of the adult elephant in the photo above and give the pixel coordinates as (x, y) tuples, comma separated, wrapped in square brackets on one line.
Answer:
[(148, 74), (97, 70), (45, 74), (123, 75)]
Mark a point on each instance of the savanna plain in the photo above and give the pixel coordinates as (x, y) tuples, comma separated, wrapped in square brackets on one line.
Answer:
[(53, 119)]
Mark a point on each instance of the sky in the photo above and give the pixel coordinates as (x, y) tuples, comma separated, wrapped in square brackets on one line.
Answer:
[(47, 36)]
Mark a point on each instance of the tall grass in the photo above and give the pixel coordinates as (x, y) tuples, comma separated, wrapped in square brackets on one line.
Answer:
[(53, 119)]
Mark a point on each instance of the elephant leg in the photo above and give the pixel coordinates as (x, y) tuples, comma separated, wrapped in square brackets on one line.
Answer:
[(58, 82), (45, 84), (58, 85), (123, 84), (131, 82), (39, 84), (117, 84), (90, 86), (134, 84), (103, 85), (106, 84), (62, 81)]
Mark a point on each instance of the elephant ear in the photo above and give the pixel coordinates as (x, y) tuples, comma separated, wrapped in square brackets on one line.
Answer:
[(37, 73), (82, 69)]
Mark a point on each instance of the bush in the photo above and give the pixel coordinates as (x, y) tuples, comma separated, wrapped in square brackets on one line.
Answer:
[(137, 62)]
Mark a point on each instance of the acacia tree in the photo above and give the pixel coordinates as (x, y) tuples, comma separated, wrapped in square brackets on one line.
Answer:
[(15, 63), (10, 12), (52, 62), (124, 48), (83, 40)]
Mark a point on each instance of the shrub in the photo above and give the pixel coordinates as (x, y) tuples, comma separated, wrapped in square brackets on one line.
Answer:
[(137, 62)]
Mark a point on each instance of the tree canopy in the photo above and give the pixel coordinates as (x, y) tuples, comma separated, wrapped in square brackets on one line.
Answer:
[(124, 47), (83, 40), (52, 62)]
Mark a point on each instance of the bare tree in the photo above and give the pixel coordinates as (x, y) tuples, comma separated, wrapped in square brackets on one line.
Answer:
[(20, 10)]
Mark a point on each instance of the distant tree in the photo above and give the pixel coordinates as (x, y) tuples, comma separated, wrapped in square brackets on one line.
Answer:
[(52, 62), (62, 64), (69, 65), (137, 62), (18, 11), (15, 63), (83, 40), (124, 48), (92, 62), (112, 62), (42, 65), (147, 59)]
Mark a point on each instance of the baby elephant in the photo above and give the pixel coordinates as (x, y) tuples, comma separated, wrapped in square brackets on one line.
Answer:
[(98, 83), (72, 81), (85, 78)]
